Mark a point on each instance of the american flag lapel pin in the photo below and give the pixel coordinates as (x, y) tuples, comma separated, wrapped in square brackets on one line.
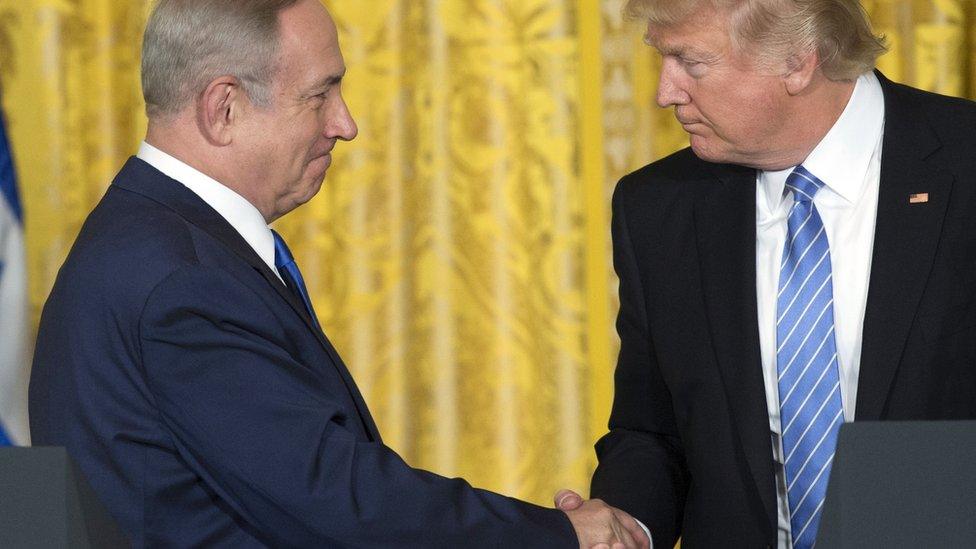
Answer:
[(918, 198)]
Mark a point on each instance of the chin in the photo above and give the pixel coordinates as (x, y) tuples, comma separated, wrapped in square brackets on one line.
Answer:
[(300, 195), (704, 150), (313, 189)]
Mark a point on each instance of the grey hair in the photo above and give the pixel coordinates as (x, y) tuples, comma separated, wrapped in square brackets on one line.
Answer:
[(781, 31), (189, 43)]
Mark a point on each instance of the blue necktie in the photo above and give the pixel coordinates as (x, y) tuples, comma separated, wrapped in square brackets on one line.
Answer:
[(289, 272), (811, 411)]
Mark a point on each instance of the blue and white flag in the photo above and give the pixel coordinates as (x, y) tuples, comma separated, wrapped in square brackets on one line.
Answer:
[(14, 325)]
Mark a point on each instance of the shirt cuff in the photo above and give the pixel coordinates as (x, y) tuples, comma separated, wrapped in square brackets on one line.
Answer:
[(650, 540)]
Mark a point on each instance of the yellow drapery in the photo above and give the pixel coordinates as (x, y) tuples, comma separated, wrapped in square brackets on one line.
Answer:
[(458, 254)]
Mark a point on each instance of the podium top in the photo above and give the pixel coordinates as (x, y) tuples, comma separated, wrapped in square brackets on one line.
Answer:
[(48, 503), (902, 484)]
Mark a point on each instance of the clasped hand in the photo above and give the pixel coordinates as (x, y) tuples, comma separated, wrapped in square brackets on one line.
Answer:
[(600, 526)]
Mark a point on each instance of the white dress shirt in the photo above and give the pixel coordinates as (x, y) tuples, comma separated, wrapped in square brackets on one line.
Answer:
[(848, 161), (241, 214)]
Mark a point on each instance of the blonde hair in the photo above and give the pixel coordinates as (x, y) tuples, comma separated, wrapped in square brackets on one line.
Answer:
[(780, 31), (188, 43)]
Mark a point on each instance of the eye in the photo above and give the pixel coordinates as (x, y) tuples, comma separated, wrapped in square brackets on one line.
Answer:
[(317, 100), (693, 67), (319, 95)]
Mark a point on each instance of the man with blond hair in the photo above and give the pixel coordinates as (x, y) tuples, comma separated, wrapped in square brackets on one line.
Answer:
[(179, 358), (809, 260)]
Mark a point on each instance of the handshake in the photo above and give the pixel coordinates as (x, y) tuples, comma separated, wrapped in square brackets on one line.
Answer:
[(600, 526)]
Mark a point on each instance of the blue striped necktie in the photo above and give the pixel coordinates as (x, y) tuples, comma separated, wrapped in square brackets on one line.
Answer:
[(289, 272), (811, 411)]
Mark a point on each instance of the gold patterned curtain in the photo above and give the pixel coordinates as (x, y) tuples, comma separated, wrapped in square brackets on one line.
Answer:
[(459, 252)]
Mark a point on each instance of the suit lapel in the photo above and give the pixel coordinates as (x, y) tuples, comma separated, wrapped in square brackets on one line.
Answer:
[(371, 430), (725, 223), (906, 236), (140, 177)]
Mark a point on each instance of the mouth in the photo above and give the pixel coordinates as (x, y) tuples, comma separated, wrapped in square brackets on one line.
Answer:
[(321, 163), (685, 120), (690, 126)]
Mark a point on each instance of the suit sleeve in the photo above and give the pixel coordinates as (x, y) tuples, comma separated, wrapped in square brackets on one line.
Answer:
[(259, 429), (641, 461)]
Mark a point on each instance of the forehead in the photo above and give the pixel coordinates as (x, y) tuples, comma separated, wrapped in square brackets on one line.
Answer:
[(309, 47), (705, 29)]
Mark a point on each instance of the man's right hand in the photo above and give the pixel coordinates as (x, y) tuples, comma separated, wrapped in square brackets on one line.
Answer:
[(599, 526)]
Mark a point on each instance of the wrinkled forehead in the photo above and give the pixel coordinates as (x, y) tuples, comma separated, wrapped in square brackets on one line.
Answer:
[(703, 28)]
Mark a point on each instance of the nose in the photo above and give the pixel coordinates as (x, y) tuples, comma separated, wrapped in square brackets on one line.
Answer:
[(669, 89), (341, 124)]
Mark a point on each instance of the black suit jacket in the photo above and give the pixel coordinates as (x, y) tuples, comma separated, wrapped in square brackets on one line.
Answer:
[(206, 408), (689, 449)]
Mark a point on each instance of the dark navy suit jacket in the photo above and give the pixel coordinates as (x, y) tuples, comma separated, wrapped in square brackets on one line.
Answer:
[(688, 451), (206, 409)]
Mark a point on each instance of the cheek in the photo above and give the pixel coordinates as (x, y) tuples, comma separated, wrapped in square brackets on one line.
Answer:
[(767, 116), (309, 137), (294, 152), (293, 138), (745, 118)]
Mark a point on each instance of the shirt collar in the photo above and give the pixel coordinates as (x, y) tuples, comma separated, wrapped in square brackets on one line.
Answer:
[(241, 214), (842, 157)]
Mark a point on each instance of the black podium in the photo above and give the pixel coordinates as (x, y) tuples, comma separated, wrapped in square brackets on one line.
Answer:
[(902, 484), (46, 502)]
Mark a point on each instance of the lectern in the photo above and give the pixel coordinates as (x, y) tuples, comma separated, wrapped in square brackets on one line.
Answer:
[(902, 484), (45, 502)]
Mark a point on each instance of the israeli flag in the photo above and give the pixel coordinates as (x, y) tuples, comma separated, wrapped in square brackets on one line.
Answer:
[(14, 338)]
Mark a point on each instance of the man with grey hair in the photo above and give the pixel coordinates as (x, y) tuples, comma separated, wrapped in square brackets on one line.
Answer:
[(179, 358), (809, 260)]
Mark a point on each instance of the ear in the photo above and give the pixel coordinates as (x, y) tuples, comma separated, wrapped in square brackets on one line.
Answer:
[(801, 70), (220, 108)]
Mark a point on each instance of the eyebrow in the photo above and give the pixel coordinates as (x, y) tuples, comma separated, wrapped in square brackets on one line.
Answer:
[(330, 81), (680, 51)]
